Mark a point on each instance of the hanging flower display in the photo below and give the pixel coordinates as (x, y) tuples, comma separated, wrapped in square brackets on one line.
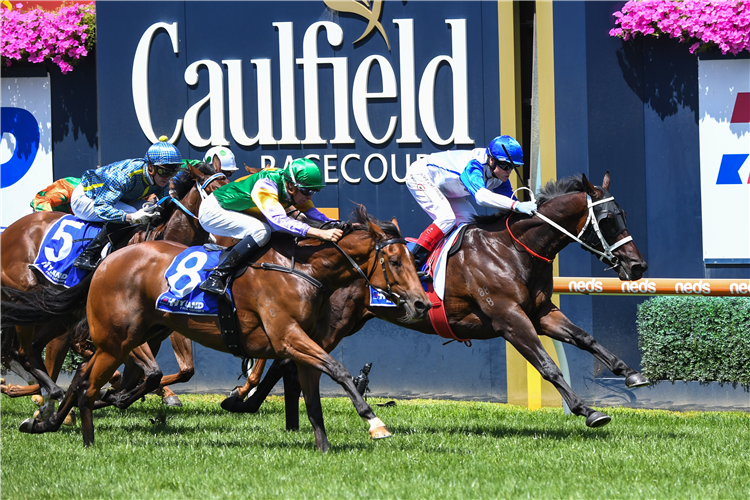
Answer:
[(702, 23), (62, 36)]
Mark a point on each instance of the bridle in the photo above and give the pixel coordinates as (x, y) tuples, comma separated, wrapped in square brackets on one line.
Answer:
[(591, 232), (379, 246)]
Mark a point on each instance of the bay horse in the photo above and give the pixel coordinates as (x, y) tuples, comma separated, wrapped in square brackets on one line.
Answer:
[(19, 246), (497, 287), (280, 314)]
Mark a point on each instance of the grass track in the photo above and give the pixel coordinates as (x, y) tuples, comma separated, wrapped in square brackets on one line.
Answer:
[(440, 449)]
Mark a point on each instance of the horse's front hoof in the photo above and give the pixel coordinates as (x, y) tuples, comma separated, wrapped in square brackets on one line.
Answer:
[(37, 400), (597, 419), (380, 433), (56, 393), (636, 380), (27, 426), (173, 401)]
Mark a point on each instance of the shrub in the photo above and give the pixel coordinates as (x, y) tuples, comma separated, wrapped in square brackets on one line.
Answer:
[(695, 338)]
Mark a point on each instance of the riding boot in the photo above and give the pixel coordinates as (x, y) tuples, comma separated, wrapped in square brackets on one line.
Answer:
[(420, 256), (91, 255), (216, 281), (429, 238)]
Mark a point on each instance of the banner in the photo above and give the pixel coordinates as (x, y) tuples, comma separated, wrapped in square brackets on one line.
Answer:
[(724, 104), (26, 145)]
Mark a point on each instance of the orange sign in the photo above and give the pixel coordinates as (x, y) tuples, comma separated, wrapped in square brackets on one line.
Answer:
[(654, 286)]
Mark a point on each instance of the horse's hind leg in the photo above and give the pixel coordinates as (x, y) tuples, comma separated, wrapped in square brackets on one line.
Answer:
[(292, 389), (144, 359), (252, 404), (553, 323), (31, 361), (521, 334), (235, 401), (310, 382), (183, 353)]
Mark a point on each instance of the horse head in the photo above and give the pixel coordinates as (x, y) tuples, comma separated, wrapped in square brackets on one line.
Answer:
[(605, 230), (389, 265)]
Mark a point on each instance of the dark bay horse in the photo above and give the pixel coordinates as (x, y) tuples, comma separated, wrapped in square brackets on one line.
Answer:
[(496, 288), (280, 315), (19, 246)]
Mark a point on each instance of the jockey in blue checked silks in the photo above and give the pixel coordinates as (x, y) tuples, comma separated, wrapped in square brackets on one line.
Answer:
[(442, 182), (115, 194)]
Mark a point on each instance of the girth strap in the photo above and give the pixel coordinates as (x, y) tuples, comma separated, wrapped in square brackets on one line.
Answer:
[(230, 331), (300, 274)]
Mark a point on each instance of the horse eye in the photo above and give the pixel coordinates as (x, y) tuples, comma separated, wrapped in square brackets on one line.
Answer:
[(395, 262)]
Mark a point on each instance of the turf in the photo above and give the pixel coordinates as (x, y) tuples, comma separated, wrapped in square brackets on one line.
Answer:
[(440, 449)]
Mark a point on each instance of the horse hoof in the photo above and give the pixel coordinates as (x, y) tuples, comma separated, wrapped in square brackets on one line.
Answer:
[(57, 394), (35, 416), (37, 400), (231, 401), (70, 419), (27, 426), (173, 401), (636, 380), (597, 419), (381, 433)]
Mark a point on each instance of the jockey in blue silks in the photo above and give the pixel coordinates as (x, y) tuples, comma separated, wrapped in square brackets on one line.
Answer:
[(115, 194), (442, 182)]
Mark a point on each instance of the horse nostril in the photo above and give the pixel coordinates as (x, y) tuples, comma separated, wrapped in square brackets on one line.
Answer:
[(421, 307)]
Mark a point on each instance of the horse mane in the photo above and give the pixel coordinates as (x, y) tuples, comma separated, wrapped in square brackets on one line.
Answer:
[(551, 190), (183, 182)]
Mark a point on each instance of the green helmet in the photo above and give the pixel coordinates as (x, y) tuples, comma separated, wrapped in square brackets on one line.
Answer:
[(304, 173)]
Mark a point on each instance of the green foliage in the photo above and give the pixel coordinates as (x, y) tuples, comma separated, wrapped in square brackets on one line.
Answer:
[(439, 449), (695, 338)]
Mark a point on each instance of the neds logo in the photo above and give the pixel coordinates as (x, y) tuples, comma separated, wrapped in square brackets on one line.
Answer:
[(585, 286), (743, 288), (639, 286), (697, 287)]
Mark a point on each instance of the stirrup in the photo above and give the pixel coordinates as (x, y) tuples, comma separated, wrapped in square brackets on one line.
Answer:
[(86, 262), (424, 277), (214, 285)]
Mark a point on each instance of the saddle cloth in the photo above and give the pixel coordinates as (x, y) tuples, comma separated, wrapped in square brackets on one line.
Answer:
[(62, 243), (188, 270)]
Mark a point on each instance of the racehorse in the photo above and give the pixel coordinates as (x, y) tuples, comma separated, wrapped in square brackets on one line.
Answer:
[(19, 246), (279, 314), (499, 284)]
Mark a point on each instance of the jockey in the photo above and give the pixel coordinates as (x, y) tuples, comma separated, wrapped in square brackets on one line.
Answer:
[(442, 182), (115, 194), (56, 196), (252, 207)]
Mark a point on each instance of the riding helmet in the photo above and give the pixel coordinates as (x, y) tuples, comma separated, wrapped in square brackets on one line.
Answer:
[(495, 149), (304, 173), (228, 163), (164, 154)]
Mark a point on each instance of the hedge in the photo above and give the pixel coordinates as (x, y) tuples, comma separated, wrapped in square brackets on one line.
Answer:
[(695, 338)]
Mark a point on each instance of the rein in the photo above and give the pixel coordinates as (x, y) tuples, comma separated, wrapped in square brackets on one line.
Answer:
[(545, 259)]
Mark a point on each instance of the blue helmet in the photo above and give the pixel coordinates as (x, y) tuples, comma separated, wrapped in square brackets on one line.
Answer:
[(495, 149), (163, 153)]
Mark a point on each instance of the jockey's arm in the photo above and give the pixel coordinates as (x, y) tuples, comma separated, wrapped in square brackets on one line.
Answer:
[(265, 195), (104, 204), (473, 179)]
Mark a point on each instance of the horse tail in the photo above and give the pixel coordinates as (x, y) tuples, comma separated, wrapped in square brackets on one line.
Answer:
[(44, 304)]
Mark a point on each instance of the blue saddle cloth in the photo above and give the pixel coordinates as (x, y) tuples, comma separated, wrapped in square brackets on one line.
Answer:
[(188, 270), (61, 245)]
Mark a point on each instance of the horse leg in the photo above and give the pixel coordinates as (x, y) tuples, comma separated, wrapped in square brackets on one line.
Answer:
[(303, 350), (183, 353), (310, 384), (32, 362), (238, 394), (252, 404), (519, 331), (292, 389), (553, 323), (144, 359)]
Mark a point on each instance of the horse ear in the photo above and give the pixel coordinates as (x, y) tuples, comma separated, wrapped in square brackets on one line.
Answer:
[(216, 162), (588, 187), (605, 182), (375, 229), (249, 170), (197, 174), (395, 223)]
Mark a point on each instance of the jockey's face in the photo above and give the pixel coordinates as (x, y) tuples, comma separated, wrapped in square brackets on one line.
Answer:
[(297, 197), (497, 171), (159, 180)]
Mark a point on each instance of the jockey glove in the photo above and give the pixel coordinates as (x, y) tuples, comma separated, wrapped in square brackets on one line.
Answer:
[(525, 207), (143, 216)]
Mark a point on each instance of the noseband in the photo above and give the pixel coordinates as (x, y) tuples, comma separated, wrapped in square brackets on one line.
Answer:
[(379, 246)]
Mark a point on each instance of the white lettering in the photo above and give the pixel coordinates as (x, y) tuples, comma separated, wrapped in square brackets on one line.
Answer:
[(286, 80), (384, 163), (267, 161), (236, 104), (344, 174), (395, 176), (328, 168), (406, 70), (360, 96), (139, 80), (215, 97)]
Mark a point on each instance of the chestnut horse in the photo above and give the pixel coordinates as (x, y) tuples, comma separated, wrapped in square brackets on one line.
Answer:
[(280, 314), (19, 246), (495, 287)]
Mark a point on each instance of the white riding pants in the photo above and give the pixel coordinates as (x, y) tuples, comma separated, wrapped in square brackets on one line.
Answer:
[(445, 212), (222, 222), (83, 206)]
